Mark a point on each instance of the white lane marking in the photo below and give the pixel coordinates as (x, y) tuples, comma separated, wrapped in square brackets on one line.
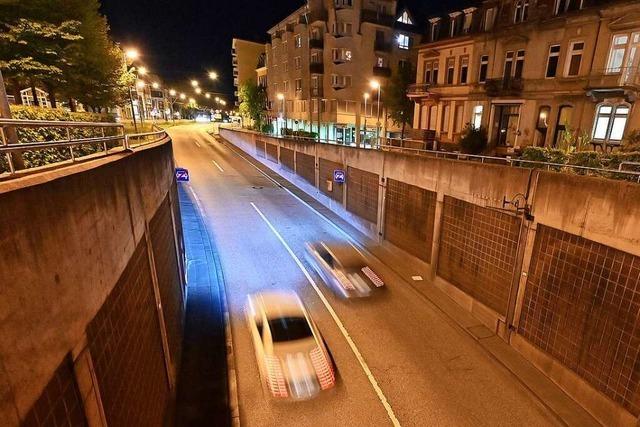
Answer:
[(416, 278), (196, 142), (336, 319), (217, 165)]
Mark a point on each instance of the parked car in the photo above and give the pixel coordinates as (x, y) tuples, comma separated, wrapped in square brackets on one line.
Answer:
[(343, 268), (293, 360)]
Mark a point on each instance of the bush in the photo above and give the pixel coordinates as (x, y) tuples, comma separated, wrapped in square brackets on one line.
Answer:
[(535, 154), (267, 128), (474, 140), (54, 155), (590, 159), (632, 142)]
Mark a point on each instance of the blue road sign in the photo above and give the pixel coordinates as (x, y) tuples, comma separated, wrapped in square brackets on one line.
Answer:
[(182, 175), (339, 176)]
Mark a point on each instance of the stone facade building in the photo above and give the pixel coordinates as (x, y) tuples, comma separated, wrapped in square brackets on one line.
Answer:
[(527, 70), (245, 56), (321, 60)]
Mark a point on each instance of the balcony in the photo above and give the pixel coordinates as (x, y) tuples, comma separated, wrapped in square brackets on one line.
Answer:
[(623, 82), (504, 87), (382, 71), (419, 90), (316, 68), (317, 92), (316, 43), (375, 17), (382, 46)]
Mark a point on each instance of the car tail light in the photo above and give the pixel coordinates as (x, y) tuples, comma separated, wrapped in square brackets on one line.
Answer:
[(275, 377), (373, 276), (324, 369)]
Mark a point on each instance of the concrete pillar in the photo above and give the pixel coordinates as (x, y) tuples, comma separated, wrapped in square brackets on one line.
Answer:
[(88, 385), (358, 124), (437, 231)]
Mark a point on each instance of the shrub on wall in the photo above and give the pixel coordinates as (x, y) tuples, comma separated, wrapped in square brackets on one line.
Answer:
[(473, 140), (631, 142), (589, 159), (53, 155)]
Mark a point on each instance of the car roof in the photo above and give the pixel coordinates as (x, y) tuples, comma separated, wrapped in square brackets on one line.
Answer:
[(276, 304), (346, 254)]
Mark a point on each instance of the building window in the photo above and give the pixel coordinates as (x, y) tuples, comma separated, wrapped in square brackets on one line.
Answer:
[(451, 64), (623, 53), (464, 69), (431, 72), (342, 28), (298, 85), (344, 3), (405, 19), (403, 63), (285, 85), (574, 59), (404, 41), (562, 6), (298, 41), (477, 116), (468, 20), (552, 61), (435, 29), (454, 25), (521, 11), (489, 18), (508, 64), (484, 68), (610, 123), (297, 62), (341, 55), (316, 58), (285, 66), (380, 61), (519, 65)]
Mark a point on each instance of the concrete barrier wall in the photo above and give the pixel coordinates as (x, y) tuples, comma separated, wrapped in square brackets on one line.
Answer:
[(66, 237), (582, 288)]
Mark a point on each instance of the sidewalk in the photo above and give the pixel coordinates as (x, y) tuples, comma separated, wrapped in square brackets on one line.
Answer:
[(202, 395)]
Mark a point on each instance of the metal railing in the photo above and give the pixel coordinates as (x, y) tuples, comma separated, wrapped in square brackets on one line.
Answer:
[(399, 145), (104, 139)]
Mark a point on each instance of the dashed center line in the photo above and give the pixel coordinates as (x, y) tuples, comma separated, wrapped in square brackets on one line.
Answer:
[(218, 166), (336, 319)]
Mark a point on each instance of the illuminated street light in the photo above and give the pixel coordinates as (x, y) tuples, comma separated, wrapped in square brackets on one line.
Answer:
[(155, 85), (213, 75), (183, 96), (194, 83), (207, 95), (172, 92), (140, 84), (132, 54), (142, 70), (217, 99), (198, 90)]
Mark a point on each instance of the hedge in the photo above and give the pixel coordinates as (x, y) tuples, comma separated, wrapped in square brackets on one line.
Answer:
[(54, 155)]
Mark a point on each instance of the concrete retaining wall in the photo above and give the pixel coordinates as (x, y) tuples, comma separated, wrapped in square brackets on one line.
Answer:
[(66, 237), (501, 244)]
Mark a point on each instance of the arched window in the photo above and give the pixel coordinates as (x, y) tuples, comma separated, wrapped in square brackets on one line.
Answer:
[(610, 122), (521, 11)]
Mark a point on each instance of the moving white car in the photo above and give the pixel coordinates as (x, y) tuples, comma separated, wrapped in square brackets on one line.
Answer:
[(293, 360), (343, 268)]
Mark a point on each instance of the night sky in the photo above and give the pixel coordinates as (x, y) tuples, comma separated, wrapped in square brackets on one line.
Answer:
[(181, 40)]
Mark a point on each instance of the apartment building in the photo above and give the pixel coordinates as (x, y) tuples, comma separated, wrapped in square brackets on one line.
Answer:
[(245, 56), (526, 70), (323, 57)]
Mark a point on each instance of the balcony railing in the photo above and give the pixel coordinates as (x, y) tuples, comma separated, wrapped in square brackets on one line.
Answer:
[(316, 68), (624, 77), (376, 17), (317, 91), (382, 71), (316, 43), (419, 89), (504, 87)]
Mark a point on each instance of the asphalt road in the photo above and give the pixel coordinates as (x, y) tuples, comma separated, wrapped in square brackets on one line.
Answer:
[(398, 358)]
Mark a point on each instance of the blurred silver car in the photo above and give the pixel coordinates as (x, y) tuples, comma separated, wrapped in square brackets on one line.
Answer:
[(293, 360), (343, 268)]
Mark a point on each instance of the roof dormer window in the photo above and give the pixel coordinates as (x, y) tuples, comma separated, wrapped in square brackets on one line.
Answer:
[(405, 18), (434, 28), (454, 26)]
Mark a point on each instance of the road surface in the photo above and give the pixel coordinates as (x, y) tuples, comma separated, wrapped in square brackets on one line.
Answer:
[(399, 360)]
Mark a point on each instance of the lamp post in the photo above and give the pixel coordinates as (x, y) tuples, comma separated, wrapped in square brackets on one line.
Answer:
[(376, 86), (280, 97), (131, 55), (366, 98)]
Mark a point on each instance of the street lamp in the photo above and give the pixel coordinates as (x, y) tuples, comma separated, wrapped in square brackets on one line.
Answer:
[(213, 75), (280, 97), (172, 98), (198, 90), (132, 54), (375, 85), (183, 96), (194, 83), (172, 92), (142, 70), (366, 98), (155, 85), (207, 95)]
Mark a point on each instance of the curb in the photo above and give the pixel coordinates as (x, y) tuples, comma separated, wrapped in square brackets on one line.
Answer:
[(232, 379)]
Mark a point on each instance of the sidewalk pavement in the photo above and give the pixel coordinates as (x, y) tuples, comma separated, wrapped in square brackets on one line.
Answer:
[(202, 395)]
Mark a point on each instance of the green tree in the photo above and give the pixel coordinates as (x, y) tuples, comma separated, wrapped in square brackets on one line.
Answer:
[(399, 106), (253, 99)]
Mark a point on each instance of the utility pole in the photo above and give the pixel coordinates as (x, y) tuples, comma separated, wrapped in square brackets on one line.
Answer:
[(9, 134)]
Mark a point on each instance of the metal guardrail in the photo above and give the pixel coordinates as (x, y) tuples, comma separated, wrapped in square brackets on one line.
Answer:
[(122, 141), (386, 144)]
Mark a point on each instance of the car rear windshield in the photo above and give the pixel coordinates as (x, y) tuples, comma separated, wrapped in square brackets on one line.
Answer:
[(289, 329)]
